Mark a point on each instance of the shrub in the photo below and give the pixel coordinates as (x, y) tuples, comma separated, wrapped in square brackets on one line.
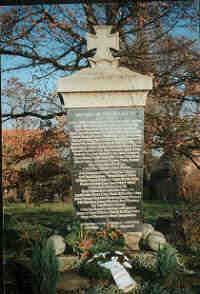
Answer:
[(45, 268), (166, 262)]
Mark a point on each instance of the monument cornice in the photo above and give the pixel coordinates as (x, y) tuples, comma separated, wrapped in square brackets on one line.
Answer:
[(104, 99), (104, 77)]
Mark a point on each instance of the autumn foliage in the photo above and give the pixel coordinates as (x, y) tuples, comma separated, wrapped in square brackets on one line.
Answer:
[(31, 157)]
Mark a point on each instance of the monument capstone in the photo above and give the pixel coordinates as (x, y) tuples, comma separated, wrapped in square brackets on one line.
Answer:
[(105, 113)]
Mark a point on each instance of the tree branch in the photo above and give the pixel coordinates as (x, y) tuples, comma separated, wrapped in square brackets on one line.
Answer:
[(191, 158), (33, 114), (41, 60)]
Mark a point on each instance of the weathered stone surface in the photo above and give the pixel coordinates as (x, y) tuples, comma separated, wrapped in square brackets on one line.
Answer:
[(104, 100), (58, 243), (146, 229), (107, 169), (154, 240), (71, 280), (132, 240), (66, 262)]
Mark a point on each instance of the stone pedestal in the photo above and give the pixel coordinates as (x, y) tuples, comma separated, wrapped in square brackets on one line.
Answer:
[(105, 106)]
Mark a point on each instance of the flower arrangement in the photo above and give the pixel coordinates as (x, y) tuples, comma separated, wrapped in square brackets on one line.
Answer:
[(87, 243), (97, 247)]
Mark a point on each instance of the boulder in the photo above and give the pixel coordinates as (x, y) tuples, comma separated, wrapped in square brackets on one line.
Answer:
[(132, 240), (58, 243), (154, 240), (146, 229)]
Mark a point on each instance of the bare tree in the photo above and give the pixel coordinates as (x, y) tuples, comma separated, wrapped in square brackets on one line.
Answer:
[(26, 106)]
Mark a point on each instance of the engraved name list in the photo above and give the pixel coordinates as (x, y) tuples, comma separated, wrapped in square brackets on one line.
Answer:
[(107, 150)]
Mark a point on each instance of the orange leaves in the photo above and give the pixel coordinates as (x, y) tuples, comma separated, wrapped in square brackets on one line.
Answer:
[(85, 245), (21, 146)]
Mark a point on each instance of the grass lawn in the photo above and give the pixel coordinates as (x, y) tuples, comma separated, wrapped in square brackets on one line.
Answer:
[(154, 209), (56, 215)]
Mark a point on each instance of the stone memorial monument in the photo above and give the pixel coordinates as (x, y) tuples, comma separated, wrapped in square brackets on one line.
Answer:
[(105, 114)]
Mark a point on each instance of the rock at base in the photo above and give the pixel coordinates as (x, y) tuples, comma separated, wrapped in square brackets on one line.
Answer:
[(132, 240), (58, 243), (155, 240), (146, 229)]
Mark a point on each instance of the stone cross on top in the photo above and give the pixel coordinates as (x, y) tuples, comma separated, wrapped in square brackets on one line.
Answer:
[(102, 41)]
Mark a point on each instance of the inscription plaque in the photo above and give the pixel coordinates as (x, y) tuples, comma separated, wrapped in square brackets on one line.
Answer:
[(107, 152)]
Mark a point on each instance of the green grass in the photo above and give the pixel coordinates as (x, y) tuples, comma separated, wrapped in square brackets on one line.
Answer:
[(53, 215), (25, 225), (56, 214), (154, 209), (46, 207)]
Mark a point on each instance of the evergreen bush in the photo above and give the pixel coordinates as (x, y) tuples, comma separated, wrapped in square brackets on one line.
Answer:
[(45, 268), (166, 262)]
